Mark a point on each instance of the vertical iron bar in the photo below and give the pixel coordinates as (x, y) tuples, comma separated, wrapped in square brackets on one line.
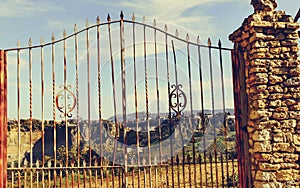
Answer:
[(65, 100), (211, 170), (171, 139), (88, 90), (169, 91), (19, 114), (157, 97), (114, 89), (99, 93), (213, 106), (224, 106), (202, 108), (147, 104), (3, 118), (30, 109), (189, 169), (136, 103), (53, 105), (200, 169), (222, 169), (123, 69), (191, 105), (233, 173), (114, 96), (43, 111), (77, 105), (178, 170)]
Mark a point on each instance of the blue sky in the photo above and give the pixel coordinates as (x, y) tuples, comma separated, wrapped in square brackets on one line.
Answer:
[(24, 19)]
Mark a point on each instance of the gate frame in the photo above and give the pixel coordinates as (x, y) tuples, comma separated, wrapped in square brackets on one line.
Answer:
[(3, 119)]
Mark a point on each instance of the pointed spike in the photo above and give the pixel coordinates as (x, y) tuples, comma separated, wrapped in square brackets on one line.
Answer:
[(42, 41), (154, 23), (18, 43), (133, 17), (49, 164), (209, 42), (87, 23), (37, 163), (176, 33), (219, 43), (198, 40), (108, 18), (30, 42), (53, 37), (187, 37), (84, 163), (98, 20), (121, 15), (75, 28), (166, 28), (64, 33), (144, 19)]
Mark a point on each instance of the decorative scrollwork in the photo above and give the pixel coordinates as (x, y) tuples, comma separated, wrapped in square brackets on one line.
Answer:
[(65, 101), (177, 99)]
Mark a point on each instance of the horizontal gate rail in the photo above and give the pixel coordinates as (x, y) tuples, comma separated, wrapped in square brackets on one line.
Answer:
[(119, 104)]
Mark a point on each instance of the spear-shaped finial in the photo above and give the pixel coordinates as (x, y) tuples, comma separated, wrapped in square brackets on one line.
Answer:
[(144, 19), (108, 18), (121, 15), (198, 40), (98, 20), (42, 41), (219, 43), (52, 37), (133, 17), (87, 23), (154, 23), (176, 33), (187, 37), (75, 28), (209, 42), (64, 33), (18, 43), (30, 42), (166, 28)]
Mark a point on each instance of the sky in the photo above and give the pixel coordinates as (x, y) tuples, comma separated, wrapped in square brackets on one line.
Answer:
[(24, 19)]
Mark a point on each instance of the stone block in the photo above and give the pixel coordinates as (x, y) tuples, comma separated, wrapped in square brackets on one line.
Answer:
[(290, 123), (274, 96), (295, 115), (262, 135), (256, 114), (275, 89), (275, 103), (273, 79), (261, 147), (269, 167), (280, 115), (263, 184), (283, 147), (265, 176), (295, 71), (295, 81), (285, 175)]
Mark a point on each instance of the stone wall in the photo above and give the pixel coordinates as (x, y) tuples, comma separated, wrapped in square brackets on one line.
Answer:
[(268, 45)]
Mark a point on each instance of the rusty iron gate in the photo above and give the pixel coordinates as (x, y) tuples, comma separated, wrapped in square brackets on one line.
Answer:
[(117, 104)]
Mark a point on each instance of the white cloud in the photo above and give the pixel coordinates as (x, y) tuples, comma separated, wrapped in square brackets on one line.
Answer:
[(19, 8), (175, 12)]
